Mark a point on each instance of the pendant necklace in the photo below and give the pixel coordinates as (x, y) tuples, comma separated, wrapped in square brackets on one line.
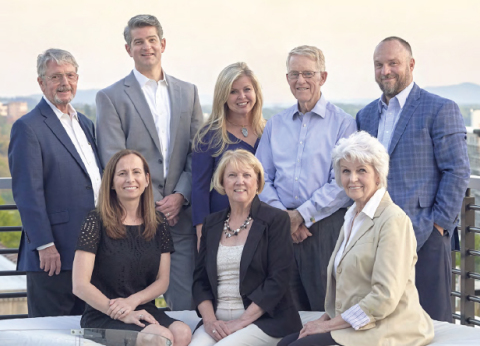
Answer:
[(229, 232), (244, 128)]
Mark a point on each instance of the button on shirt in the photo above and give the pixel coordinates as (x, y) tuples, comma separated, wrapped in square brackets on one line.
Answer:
[(84, 149), (295, 151), (355, 315), (389, 115), (158, 101)]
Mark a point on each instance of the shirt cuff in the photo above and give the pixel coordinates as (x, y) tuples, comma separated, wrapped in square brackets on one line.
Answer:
[(356, 317), (43, 247)]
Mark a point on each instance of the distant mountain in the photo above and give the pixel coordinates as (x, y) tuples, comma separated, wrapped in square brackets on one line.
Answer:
[(465, 93)]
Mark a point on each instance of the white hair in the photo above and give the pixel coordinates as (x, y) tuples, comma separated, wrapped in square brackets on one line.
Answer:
[(362, 147)]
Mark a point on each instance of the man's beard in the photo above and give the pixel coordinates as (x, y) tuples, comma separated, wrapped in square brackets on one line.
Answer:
[(58, 101), (394, 89)]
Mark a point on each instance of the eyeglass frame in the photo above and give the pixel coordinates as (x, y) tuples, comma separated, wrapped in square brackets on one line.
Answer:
[(50, 78), (302, 73)]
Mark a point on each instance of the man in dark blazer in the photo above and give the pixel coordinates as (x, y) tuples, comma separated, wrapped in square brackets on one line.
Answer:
[(429, 169), (55, 182), (157, 115)]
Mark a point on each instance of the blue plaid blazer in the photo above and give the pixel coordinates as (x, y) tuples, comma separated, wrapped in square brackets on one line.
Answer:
[(429, 167)]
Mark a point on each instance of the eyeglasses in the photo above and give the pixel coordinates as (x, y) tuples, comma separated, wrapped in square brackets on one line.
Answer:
[(293, 75), (58, 77)]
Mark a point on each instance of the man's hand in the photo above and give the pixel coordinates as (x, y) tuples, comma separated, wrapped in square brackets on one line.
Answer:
[(301, 234), (440, 229), (50, 260), (296, 220), (170, 206)]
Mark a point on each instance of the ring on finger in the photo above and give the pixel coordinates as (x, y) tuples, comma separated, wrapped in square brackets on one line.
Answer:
[(214, 331), (140, 317), (122, 311), (168, 214)]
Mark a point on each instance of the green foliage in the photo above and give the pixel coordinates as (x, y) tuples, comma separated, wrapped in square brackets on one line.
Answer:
[(89, 110), (9, 218)]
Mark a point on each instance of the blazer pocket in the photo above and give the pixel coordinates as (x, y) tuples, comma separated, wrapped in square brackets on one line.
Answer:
[(59, 217), (425, 200)]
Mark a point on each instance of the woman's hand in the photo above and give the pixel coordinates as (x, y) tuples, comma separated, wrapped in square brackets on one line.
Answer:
[(216, 329), (121, 306), (135, 317), (234, 325), (315, 327)]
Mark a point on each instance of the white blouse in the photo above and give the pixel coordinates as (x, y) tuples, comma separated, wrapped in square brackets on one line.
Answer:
[(228, 274)]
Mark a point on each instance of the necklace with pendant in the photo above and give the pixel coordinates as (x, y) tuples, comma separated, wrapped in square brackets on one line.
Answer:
[(229, 232), (244, 128)]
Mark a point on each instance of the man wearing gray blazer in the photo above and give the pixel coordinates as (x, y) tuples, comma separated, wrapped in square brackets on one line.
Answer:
[(157, 115)]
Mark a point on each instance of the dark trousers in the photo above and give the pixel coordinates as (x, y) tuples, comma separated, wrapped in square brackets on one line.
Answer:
[(309, 279), (52, 295), (324, 339), (433, 276)]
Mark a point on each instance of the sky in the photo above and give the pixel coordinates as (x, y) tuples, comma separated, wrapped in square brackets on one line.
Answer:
[(204, 36)]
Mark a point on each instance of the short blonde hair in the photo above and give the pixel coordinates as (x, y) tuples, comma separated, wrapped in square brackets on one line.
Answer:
[(237, 158), (362, 147), (312, 52)]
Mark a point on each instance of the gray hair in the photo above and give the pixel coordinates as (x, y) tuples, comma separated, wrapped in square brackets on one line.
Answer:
[(60, 56), (141, 21), (362, 147), (312, 52)]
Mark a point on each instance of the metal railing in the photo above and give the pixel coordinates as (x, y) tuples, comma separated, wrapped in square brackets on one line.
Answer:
[(466, 272)]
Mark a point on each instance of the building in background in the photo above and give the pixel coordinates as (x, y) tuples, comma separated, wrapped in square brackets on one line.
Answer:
[(16, 110)]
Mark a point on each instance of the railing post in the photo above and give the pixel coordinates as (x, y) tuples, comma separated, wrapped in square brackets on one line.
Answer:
[(467, 285)]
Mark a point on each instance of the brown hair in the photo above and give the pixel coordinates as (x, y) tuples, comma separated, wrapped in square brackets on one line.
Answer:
[(111, 210)]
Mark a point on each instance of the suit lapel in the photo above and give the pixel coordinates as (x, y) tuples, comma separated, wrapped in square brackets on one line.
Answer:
[(408, 109), (175, 96), (366, 225), (135, 93), (373, 128), (91, 139), (213, 242), (52, 121), (254, 236)]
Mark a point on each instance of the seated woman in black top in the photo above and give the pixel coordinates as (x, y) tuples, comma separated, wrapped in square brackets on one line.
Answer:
[(122, 262)]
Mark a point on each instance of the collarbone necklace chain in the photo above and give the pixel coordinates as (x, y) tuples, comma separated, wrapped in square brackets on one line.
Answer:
[(244, 128), (229, 232)]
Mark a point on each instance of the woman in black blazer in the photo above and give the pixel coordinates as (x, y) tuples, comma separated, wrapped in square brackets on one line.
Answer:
[(241, 279)]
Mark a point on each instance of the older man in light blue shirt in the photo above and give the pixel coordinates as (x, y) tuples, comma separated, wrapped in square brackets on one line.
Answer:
[(295, 151)]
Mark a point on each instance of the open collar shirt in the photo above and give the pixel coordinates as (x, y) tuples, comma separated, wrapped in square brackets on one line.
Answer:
[(295, 151), (158, 101), (389, 115)]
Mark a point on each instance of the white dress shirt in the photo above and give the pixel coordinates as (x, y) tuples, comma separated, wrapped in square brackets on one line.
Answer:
[(355, 315), (390, 114), (158, 101), (84, 149)]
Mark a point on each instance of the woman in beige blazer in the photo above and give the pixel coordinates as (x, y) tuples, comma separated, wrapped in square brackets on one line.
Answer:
[(371, 295)]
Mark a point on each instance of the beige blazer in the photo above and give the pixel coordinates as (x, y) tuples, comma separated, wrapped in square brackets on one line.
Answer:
[(377, 271)]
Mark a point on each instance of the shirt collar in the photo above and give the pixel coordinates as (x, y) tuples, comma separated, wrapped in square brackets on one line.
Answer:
[(320, 107), (59, 113), (401, 98), (142, 80), (371, 207)]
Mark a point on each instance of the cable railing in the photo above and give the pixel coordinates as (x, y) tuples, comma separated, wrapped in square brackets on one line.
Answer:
[(463, 300)]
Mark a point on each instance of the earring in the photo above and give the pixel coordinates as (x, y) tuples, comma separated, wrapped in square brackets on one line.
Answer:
[(378, 183)]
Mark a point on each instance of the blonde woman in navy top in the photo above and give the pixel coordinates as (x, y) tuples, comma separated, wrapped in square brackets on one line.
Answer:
[(236, 122)]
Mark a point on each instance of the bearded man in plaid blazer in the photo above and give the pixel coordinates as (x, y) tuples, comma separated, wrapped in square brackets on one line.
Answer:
[(429, 169)]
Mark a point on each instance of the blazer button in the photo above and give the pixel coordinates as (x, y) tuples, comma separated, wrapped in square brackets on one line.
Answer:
[(88, 187), (338, 305), (339, 270), (160, 161), (160, 186)]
